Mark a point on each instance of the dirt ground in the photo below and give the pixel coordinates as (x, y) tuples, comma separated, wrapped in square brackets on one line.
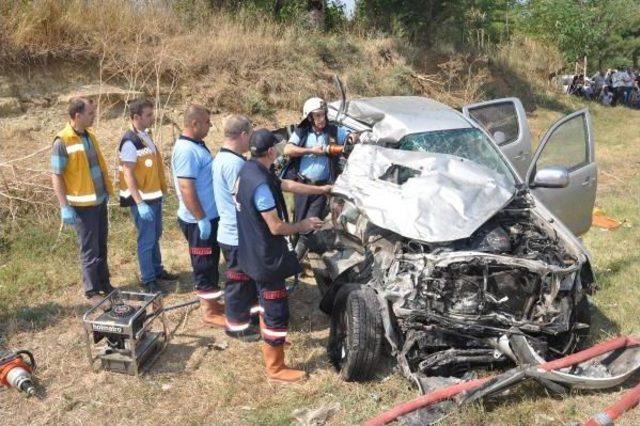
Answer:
[(196, 382)]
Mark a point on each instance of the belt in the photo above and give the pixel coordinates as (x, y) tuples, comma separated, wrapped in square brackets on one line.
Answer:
[(308, 181)]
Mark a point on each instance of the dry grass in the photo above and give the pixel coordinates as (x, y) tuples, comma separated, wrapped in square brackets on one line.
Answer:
[(41, 306), (241, 63), (264, 70)]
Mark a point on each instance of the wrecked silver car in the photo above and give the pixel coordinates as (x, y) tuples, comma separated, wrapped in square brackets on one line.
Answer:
[(441, 250)]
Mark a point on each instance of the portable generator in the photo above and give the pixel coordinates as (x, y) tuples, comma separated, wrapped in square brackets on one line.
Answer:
[(126, 332)]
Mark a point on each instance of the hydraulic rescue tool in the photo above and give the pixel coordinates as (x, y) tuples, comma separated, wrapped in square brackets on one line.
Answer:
[(15, 370)]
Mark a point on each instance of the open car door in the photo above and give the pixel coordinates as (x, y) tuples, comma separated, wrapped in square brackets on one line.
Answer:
[(506, 122), (568, 147)]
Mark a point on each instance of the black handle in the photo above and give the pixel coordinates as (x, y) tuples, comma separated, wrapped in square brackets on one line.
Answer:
[(32, 360)]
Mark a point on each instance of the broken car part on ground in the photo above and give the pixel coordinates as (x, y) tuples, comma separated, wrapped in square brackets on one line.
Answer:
[(602, 366)]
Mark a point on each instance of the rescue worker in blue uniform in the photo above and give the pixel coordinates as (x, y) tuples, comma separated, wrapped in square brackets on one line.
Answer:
[(264, 252), (308, 146), (191, 162), (240, 294)]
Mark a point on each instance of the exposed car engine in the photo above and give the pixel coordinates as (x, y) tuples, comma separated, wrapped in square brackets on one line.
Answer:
[(450, 306)]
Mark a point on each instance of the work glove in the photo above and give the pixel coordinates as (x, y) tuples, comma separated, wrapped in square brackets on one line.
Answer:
[(145, 211), (68, 215), (204, 225)]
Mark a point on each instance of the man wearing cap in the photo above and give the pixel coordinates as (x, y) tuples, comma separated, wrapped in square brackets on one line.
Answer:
[(264, 253), (191, 162), (309, 148), (142, 187), (81, 183), (241, 298)]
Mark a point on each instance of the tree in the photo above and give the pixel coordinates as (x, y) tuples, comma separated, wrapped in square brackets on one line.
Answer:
[(598, 29)]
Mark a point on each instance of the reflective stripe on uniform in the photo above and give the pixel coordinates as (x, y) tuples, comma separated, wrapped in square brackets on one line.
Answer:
[(274, 333), (237, 326), (82, 198), (76, 147), (144, 151), (144, 195), (209, 294)]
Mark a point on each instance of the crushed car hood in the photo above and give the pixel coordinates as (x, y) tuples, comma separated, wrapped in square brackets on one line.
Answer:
[(393, 117), (428, 197)]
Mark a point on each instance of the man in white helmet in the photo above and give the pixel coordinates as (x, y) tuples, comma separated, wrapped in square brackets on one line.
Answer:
[(309, 147)]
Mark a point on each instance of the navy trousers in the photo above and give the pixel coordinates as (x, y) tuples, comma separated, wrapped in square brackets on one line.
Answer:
[(205, 256), (275, 311), (240, 293)]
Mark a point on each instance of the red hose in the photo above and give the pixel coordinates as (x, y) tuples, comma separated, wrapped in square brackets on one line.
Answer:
[(451, 391), (628, 401), (593, 351), (424, 400)]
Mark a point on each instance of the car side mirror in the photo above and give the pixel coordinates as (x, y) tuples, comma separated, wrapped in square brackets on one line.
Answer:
[(551, 177)]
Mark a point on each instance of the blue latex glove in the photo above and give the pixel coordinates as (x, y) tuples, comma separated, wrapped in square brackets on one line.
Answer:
[(205, 228), (68, 215), (145, 211)]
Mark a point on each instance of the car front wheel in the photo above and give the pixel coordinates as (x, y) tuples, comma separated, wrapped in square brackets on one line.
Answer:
[(355, 341)]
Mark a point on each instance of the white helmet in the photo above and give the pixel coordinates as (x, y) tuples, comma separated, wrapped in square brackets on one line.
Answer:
[(313, 104)]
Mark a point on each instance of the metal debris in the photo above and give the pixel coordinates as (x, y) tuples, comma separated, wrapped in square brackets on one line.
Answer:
[(315, 417)]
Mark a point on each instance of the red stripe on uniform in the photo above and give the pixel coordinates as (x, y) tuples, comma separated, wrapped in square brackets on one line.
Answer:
[(274, 294), (237, 276), (201, 251)]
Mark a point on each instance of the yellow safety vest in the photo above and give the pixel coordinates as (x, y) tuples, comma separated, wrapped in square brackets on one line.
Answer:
[(76, 176), (148, 172)]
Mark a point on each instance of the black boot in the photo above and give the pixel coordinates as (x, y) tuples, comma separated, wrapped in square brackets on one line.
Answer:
[(250, 334)]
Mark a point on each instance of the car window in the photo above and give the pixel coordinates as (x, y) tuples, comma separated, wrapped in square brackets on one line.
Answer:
[(499, 120), (567, 146), (471, 144)]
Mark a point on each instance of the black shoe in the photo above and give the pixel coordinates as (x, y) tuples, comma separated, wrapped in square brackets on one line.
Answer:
[(251, 334), (167, 276), (152, 287)]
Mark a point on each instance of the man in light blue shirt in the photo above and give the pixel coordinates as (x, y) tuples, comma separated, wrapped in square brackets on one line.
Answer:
[(197, 213), (240, 294), (241, 297), (309, 148)]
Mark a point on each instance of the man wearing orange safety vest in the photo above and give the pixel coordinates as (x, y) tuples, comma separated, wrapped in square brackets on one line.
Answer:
[(142, 188), (82, 185)]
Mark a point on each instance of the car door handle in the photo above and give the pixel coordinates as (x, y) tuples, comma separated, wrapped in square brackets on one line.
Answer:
[(587, 182)]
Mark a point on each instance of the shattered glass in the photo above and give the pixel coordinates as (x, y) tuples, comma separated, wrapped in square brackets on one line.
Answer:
[(470, 144)]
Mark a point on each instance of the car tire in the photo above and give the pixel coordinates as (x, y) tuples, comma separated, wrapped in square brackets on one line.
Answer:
[(356, 337)]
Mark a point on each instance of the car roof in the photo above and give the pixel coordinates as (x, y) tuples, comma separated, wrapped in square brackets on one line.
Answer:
[(413, 114)]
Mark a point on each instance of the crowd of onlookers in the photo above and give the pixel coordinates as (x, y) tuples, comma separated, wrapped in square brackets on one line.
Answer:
[(610, 88)]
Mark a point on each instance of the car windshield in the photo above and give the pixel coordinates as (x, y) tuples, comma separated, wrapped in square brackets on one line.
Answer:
[(470, 144)]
